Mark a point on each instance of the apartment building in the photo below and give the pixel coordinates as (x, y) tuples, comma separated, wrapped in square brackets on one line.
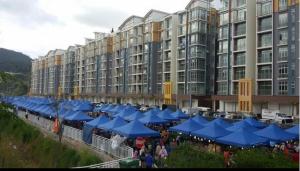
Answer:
[(257, 41), (66, 88)]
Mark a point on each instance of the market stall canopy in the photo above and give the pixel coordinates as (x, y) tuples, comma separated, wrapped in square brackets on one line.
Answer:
[(221, 122), (186, 127), (166, 115), (294, 130), (201, 120), (117, 122), (211, 132), (79, 116), (179, 115), (135, 129), (135, 116), (240, 125), (125, 112), (252, 122), (152, 118), (98, 121), (242, 138), (275, 133)]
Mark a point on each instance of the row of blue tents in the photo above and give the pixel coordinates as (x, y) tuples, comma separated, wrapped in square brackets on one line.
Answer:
[(128, 121), (246, 133)]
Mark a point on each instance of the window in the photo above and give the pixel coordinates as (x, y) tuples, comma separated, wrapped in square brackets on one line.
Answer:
[(283, 37), (181, 54), (239, 73), (222, 88), (240, 29), (182, 19), (167, 67), (194, 14), (265, 9), (265, 72), (198, 51), (282, 70), (194, 27), (265, 24), (265, 56), (283, 53), (222, 74), (197, 63), (181, 65), (182, 30), (283, 20), (283, 87), (194, 39), (223, 33), (264, 88), (167, 77), (168, 44), (180, 88), (181, 77), (222, 62), (224, 19), (239, 59), (239, 15), (168, 56), (265, 40), (283, 4), (240, 44)]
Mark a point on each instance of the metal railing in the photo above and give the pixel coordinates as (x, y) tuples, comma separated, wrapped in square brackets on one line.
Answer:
[(72, 133), (105, 145), (109, 164)]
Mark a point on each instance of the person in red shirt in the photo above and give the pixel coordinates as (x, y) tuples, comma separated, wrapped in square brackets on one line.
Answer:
[(226, 157)]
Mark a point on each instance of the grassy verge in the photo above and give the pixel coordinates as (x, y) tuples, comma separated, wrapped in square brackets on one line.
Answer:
[(22, 145), (185, 156)]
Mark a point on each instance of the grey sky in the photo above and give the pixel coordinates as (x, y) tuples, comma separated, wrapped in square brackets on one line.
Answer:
[(36, 26)]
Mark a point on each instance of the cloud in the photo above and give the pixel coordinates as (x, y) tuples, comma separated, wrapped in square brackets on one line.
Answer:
[(26, 13), (102, 17)]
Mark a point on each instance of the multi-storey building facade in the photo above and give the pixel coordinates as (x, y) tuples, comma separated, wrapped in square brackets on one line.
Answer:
[(200, 53), (257, 41)]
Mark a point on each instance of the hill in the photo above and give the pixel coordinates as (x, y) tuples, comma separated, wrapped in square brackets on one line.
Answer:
[(15, 71), (16, 62)]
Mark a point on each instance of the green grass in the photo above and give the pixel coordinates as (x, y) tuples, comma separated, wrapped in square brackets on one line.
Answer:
[(185, 156), (33, 149)]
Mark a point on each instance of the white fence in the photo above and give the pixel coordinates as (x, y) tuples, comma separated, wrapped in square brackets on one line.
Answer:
[(109, 164), (99, 143), (105, 145)]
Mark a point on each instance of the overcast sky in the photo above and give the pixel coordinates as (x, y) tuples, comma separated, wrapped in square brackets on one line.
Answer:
[(34, 27)]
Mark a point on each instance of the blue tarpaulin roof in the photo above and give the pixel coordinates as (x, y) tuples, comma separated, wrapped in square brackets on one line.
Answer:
[(126, 112), (187, 127), (98, 121), (155, 111), (275, 133), (221, 122), (294, 130), (201, 120), (67, 113), (240, 125), (79, 116), (135, 129), (117, 122), (135, 116), (152, 118), (252, 122), (83, 107), (242, 138), (179, 115), (211, 132), (166, 115)]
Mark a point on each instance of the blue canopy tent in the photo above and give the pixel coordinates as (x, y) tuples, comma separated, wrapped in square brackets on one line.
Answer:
[(108, 108), (83, 106), (125, 112), (87, 131), (152, 118), (117, 122), (275, 133), (135, 116), (49, 112), (135, 129), (240, 125), (242, 138), (166, 115), (64, 115), (78, 116), (211, 132), (294, 130), (186, 127), (154, 110), (252, 122), (179, 115), (201, 120), (116, 109), (221, 122)]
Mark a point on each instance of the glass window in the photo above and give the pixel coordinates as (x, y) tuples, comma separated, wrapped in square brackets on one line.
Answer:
[(239, 15), (222, 88), (240, 29), (265, 56), (283, 53), (283, 20), (264, 88), (265, 72), (181, 77), (194, 26), (224, 19), (239, 73), (198, 51), (240, 44), (265, 40), (283, 37), (239, 59), (282, 70), (265, 24), (283, 87), (283, 4)]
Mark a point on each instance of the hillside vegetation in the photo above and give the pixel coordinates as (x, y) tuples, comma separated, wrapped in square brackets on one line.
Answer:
[(23, 146)]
